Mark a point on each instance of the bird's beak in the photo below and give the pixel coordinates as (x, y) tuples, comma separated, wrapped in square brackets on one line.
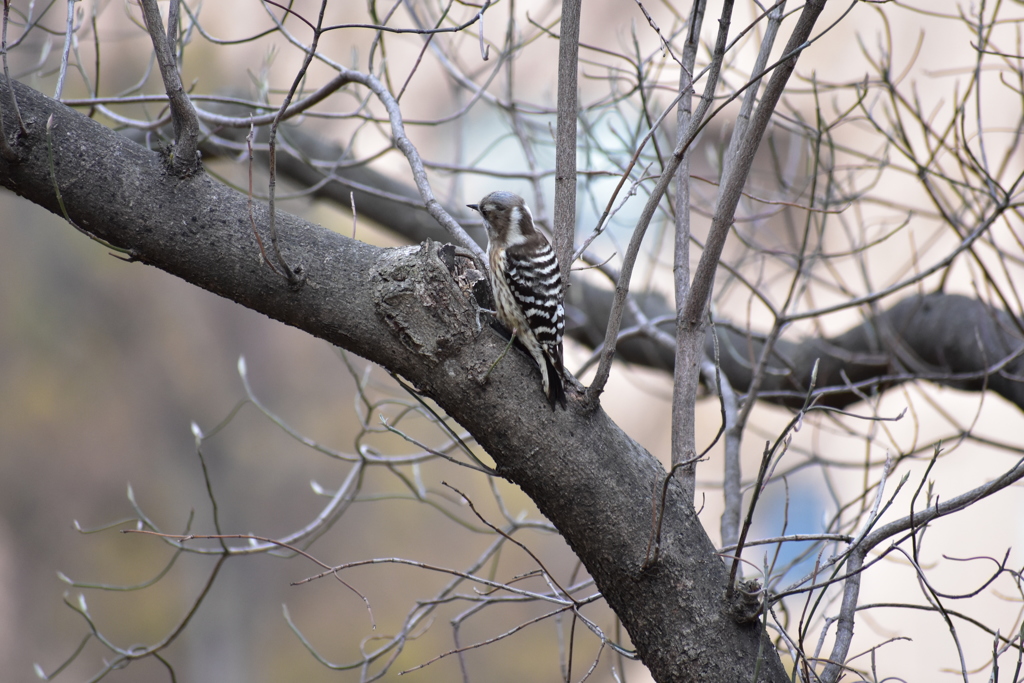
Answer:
[(475, 207)]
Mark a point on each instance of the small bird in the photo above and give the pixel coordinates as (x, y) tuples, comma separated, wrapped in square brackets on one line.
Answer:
[(527, 285)]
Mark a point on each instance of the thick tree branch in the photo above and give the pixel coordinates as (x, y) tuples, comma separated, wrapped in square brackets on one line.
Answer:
[(402, 308)]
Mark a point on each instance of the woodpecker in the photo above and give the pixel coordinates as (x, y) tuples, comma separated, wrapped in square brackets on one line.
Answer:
[(527, 285)]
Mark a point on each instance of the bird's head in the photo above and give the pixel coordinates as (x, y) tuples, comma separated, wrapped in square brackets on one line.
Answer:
[(506, 216)]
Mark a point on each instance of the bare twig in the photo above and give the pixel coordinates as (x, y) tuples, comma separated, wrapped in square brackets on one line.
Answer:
[(69, 34), (295, 275), (732, 473)]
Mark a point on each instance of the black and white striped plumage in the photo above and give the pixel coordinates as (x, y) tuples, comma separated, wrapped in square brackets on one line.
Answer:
[(527, 285)]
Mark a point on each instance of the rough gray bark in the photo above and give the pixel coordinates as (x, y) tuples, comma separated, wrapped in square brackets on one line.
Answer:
[(401, 308)]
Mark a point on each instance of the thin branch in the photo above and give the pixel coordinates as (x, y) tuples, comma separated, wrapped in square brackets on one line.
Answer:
[(668, 174), (851, 591), (295, 276), (684, 384), (185, 159), (564, 231), (69, 34), (732, 186)]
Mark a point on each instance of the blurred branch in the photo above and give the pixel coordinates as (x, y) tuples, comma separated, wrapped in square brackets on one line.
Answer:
[(69, 32), (911, 340)]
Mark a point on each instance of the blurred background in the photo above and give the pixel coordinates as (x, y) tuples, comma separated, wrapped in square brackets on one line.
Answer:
[(104, 365)]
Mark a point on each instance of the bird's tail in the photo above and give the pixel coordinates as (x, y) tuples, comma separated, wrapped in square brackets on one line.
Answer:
[(555, 382)]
